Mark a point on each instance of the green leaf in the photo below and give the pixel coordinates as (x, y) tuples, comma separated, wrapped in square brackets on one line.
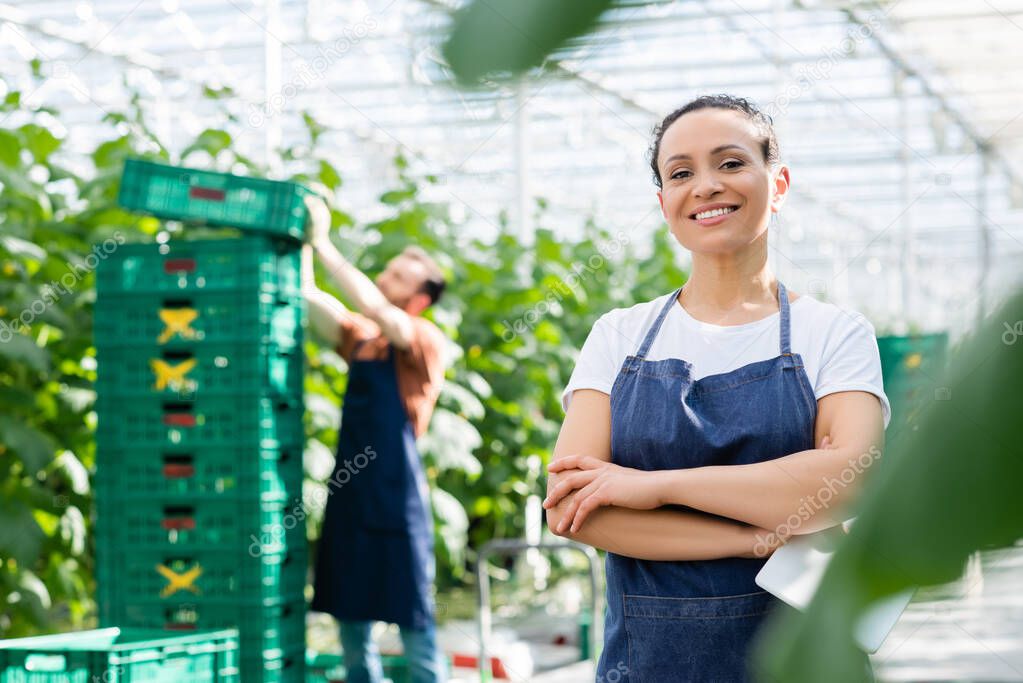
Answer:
[(75, 471), (72, 530), (11, 101), (491, 38), (19, 247), (112, 152), (35, 448), (20, 535), (329, 176), (468, 405), (211, 140), (39, 141), (451, 441), (10, 149), (312, 126), (397, 196), (21, 348), (217, 93)]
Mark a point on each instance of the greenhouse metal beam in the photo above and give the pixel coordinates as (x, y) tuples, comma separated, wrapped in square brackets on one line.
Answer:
[(967, 127), (52, 29)]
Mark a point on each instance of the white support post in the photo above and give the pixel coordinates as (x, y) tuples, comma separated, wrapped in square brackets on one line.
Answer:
[(522, 190), (272, 62)]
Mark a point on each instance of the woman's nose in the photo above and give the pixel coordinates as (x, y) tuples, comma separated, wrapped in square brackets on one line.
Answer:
[(707, 185)]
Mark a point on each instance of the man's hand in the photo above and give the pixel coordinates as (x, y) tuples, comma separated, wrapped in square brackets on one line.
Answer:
[(318, 228)]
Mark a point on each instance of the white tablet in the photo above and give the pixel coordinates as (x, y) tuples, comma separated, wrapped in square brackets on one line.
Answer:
[(793, 572)]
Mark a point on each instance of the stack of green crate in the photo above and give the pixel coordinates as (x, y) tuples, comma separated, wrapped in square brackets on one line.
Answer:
[(199, 519)]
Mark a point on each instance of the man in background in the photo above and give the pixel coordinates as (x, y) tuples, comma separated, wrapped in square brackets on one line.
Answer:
[(375, 557)]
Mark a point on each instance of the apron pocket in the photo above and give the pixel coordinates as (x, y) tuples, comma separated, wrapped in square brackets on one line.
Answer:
[(692, 639)]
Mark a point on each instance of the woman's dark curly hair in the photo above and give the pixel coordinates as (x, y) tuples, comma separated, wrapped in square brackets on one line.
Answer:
[(762, 121)]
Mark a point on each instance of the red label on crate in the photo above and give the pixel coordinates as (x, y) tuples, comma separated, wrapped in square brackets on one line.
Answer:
[(179, 419), (179, 523), (206, 193), (179, 627), (178, 471), (176, 265)]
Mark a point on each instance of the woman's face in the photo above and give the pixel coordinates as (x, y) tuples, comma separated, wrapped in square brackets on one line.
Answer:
[(717, 191)]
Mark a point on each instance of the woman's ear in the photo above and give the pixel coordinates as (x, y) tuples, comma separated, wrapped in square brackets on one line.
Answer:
[(780, 188)]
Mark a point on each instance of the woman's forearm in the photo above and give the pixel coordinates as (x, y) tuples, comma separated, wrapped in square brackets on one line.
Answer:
[(803, 492), (662, 534)]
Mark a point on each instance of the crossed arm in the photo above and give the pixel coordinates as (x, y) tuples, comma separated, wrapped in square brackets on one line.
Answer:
[(621, 510)]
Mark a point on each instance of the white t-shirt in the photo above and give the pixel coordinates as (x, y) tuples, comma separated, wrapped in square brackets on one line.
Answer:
[(838, 346)]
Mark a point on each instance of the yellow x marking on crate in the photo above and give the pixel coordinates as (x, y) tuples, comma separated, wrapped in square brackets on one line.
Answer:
[(177, 321), (168, 374), (177, 582)]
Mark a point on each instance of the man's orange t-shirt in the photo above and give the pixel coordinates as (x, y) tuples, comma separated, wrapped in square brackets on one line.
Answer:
[(420, 367)]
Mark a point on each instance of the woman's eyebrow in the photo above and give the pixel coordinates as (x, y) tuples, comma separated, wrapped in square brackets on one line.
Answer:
[(716, 150)]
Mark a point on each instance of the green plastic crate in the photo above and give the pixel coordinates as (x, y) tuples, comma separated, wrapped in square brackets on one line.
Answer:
[(148, 575), (323, 667), (233, 422), (264, 626), (116, 655), (203, 369), (277, 666), (913, 368), (266, 474), (199, 522), (186, 320), (250, 263), (211, 198)]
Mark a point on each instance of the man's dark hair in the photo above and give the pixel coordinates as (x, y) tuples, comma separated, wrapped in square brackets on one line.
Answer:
[(435, 283)]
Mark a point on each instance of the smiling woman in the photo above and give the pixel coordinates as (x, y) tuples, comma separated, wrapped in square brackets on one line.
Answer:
[(691, 420)]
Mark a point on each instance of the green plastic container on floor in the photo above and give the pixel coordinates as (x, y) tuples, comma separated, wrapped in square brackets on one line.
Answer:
[(211, 198), (268, 630), (116, 655)]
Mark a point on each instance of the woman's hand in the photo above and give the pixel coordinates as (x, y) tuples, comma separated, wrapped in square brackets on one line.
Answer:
[(599, 482)]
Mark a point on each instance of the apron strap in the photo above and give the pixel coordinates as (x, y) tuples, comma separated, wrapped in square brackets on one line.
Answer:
[(786, 332), (358, 345), (656, 327)]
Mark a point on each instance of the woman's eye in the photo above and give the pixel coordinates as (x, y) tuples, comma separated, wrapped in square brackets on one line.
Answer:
[(678, 175), (732, 163)]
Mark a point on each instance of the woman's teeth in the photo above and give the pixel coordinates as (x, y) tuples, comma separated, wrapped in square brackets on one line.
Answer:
[(715, 212)]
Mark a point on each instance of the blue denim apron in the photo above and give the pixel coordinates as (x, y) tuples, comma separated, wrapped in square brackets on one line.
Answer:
[(694, 620), (375, 556)]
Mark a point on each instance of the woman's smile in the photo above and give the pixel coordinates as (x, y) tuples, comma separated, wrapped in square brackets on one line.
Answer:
[(712, 214)]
